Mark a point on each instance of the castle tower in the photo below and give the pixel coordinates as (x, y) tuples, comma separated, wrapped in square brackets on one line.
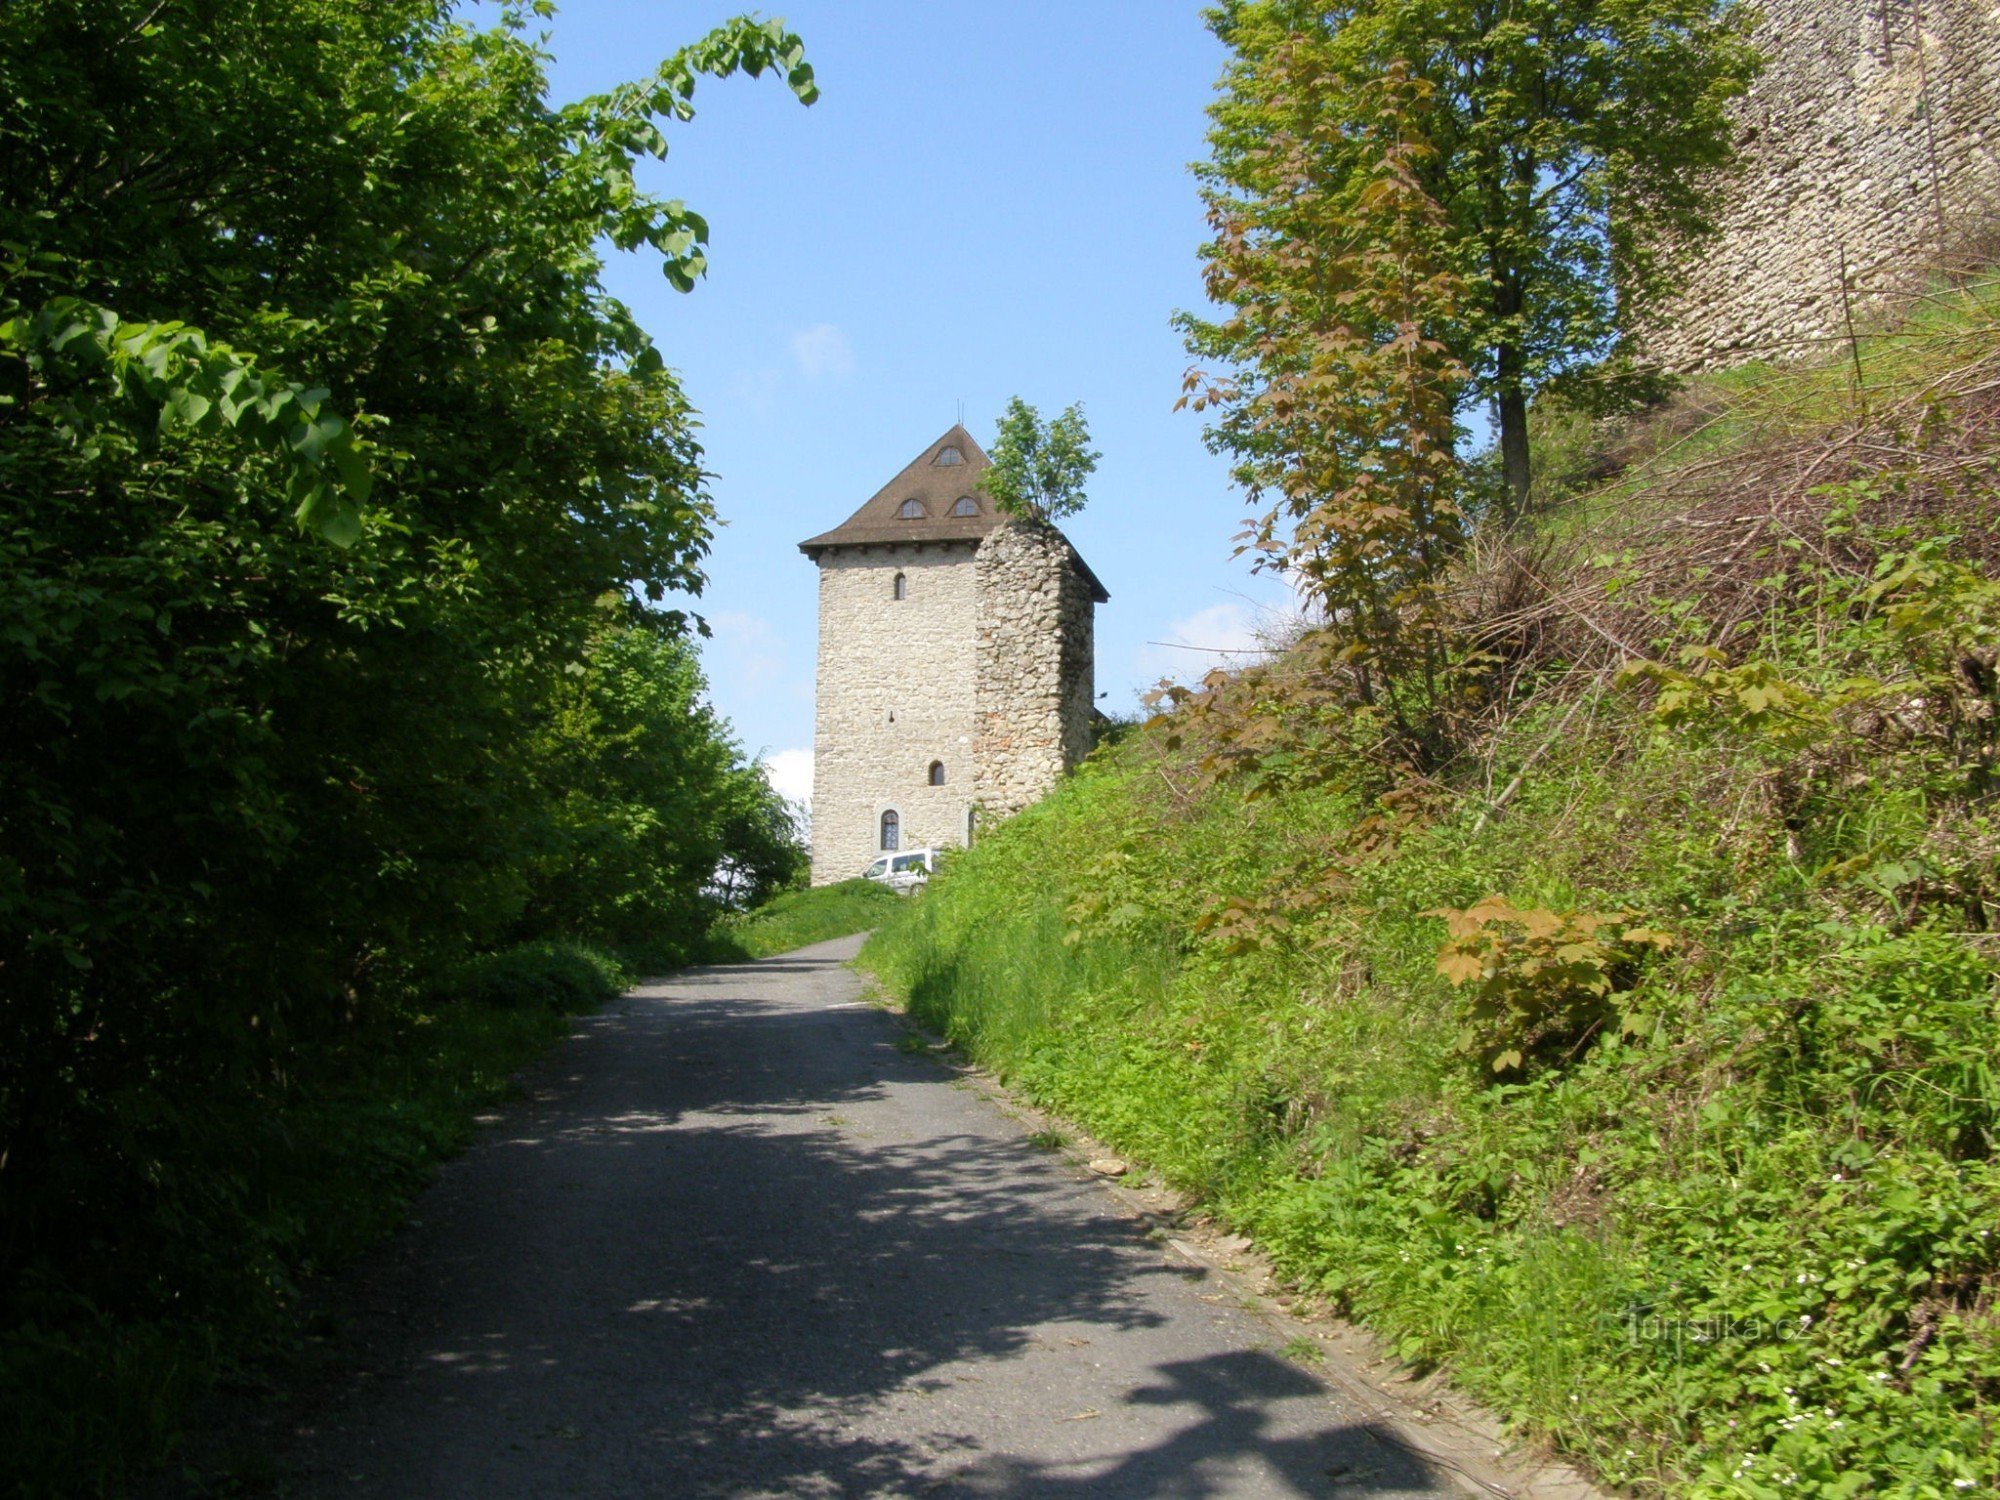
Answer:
[(955, 663)]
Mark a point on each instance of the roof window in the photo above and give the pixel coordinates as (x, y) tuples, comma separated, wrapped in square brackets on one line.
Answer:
[(965, 505), (947, 456), (913, 510)]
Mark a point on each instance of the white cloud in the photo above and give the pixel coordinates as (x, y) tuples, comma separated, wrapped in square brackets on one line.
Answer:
[(1223, 635), (790, 773), (823, 350)]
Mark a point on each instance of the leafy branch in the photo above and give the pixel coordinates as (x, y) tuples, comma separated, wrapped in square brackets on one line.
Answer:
[(619, 127), (87, 362)]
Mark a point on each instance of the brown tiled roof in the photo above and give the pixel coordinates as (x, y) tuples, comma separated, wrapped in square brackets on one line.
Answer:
[(937, 487)]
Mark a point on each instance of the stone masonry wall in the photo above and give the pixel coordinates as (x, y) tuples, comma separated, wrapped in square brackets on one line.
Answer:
[(1874, 132), (896, 692), (1035, 681)]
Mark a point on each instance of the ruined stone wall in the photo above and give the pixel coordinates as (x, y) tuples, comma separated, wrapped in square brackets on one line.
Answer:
[(1873, 135), (896, 692), (1035, 678)]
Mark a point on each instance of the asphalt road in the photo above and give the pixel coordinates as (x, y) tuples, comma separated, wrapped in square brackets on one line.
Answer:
[(737, 1243)]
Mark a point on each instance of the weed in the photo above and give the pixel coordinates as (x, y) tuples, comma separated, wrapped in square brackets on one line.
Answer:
[(563, 976)]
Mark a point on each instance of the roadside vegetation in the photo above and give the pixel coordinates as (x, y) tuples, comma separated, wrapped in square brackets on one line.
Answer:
[(350, 739), (1575, 955), (797, 919), (1635, 1058)]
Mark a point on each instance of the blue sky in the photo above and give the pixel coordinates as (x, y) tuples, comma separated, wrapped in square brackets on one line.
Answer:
[(988, 200)]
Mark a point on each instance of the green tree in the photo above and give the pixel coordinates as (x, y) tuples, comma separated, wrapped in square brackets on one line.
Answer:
[(647, 799), (321, 443), (1343, 433), (1572, 146), (1040, 468)]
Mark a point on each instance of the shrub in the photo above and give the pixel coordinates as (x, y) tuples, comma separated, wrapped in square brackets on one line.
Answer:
[(1541, 982), (559, 975)]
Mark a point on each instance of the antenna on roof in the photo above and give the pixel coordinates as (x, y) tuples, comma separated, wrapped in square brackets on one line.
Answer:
[(961, 411)]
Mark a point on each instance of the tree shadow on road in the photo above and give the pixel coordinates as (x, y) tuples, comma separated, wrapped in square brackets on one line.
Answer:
[(747, 1249)]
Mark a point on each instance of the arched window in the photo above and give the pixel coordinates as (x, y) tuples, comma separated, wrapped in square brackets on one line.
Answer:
[(913, 510), (965, 505), (892, 831), (971, 824), (947, 457), (937, 773), (902, 587)]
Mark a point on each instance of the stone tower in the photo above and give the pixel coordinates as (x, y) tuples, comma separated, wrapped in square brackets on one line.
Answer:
[(955, 663)]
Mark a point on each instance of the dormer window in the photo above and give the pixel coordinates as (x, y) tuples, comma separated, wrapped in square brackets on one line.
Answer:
[(913, 510), (947, 456), (965, 505)]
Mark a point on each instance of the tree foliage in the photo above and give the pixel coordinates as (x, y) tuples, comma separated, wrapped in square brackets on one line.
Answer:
[(1571, 146), (1421, 208), (1344, 416), (339, 505), (1040, 468)]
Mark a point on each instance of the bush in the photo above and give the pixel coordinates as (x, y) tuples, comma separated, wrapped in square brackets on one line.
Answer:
[(559, 975)]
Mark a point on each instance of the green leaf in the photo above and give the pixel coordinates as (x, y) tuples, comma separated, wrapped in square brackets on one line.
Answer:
[(190, 407), (355, 475), (334, 517), (314, 438)]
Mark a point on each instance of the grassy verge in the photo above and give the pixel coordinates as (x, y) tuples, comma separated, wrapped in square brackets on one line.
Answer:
[(317, 1170), (797, 919), (1693, 1173)]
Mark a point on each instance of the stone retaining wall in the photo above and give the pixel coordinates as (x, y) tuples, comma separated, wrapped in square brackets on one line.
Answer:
[(1873, 139)]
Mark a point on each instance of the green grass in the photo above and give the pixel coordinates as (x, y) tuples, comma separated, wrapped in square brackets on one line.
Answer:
[(1747, 1248), (798, 919)]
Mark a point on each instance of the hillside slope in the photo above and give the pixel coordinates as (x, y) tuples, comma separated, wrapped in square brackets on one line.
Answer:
[(1638, 1065)]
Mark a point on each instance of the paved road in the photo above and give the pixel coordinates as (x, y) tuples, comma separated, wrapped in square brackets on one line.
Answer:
[(738, 1244)]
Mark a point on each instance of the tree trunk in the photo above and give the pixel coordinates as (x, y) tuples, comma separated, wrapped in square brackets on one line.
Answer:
[(1514, 456), (1511, 391)]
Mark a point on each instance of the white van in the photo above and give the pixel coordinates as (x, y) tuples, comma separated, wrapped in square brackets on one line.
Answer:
[(905, 871)]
